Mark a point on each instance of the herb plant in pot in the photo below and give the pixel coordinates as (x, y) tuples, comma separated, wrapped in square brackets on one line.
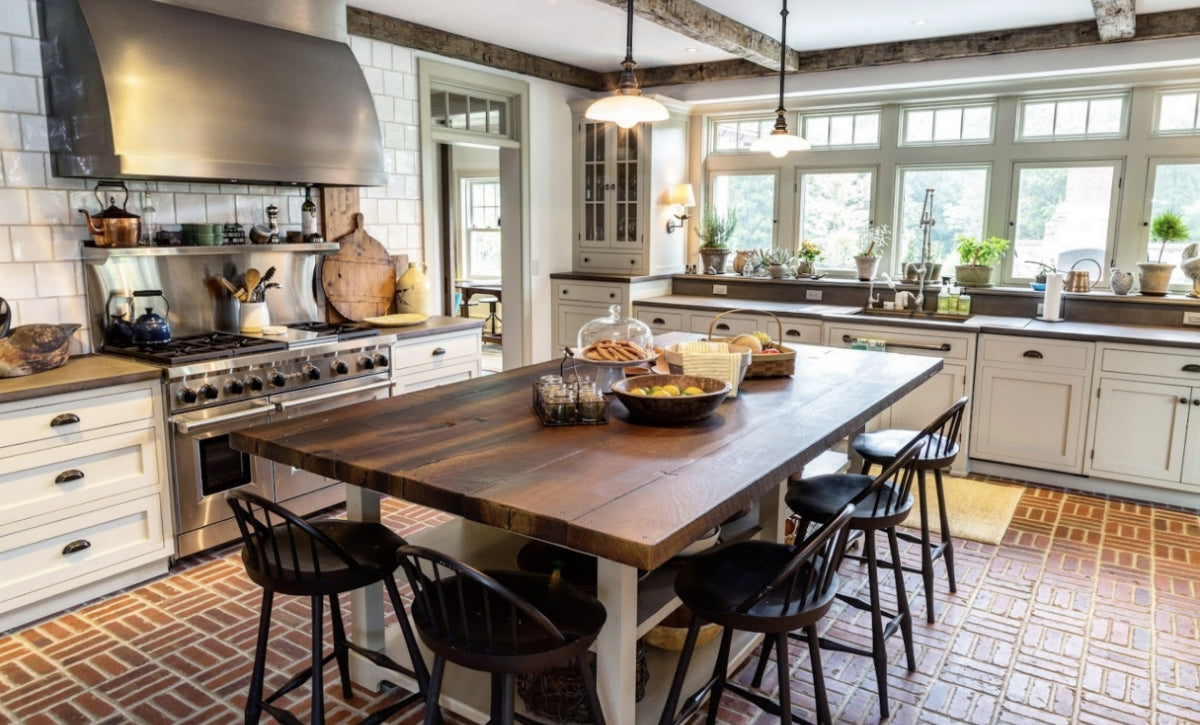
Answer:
[(1155, 277), (871, 244), (714, 231), (776, 261), (978, 259)]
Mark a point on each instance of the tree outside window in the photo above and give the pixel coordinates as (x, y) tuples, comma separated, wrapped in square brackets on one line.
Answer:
[(835, 209), (959, 207), (1064, 213), (753, 196), (1173, 188)]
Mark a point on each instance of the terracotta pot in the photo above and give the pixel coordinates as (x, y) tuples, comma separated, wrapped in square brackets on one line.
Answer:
[(741, 259), (1154, 278), (713, 260)]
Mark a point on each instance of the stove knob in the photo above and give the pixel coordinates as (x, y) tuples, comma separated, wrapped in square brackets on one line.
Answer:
[(254, 382), (340, 367), (381, 360), (366, 362), (234, 387), (312, 372), (277, 378), (208, 390), (187, 395)]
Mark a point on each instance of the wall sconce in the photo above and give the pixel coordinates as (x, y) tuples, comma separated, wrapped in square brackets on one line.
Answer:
[(683, 196)]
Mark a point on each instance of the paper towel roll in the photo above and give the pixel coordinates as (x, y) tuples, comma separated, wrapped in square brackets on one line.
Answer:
[(1052, 302)]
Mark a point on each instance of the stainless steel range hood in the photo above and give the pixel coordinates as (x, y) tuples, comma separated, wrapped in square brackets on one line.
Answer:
[(153, 90)]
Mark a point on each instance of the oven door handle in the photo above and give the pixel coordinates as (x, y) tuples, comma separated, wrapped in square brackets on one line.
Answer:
[(184, 427), (285, 405)]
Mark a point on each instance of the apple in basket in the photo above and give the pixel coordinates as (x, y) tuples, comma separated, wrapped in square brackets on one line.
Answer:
[(770, 351)]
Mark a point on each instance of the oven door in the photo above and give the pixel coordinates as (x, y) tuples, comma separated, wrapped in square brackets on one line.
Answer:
[(205, 467), (300, 490)]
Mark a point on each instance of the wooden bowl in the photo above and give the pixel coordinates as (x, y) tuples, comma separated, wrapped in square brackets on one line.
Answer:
[(669, 410)]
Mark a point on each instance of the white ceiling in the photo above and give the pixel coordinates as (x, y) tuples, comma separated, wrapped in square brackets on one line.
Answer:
[(591, 34)]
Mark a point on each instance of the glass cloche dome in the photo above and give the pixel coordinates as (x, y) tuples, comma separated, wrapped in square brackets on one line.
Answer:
[(616, 327)]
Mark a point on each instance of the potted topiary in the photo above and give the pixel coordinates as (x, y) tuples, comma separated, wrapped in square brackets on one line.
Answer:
[(714, 231), (872, 242), (978, 259), (1155, 277)]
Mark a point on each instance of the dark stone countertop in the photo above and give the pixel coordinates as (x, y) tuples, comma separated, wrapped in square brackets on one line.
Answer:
[(85, 372)]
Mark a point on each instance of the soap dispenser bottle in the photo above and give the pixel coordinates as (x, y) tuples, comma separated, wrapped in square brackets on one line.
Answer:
[(943, 298)]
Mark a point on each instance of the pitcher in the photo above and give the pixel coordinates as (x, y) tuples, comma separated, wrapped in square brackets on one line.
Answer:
[(1120, 282)]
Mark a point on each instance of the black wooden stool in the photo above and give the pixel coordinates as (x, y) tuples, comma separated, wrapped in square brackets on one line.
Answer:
[(939, 449), (492, 319), (286, 554), (880, 504), (503, 623)]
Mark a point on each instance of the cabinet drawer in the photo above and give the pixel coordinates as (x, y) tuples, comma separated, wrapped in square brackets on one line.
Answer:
[(793, 331), (1035, 351), (68, 418), (424, 379), (910, 343), (727, 326), (580, 292), (1139, 362), (623, 262), (434, 350), (661, 320), (43, 482), (78, 550)]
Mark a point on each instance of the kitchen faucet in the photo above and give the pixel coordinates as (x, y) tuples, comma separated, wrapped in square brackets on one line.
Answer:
[(927, 222)]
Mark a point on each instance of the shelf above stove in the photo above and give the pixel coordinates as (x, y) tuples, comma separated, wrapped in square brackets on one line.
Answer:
[(99, 255)]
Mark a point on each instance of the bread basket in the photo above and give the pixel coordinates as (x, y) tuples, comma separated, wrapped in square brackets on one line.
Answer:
[(769, 365)]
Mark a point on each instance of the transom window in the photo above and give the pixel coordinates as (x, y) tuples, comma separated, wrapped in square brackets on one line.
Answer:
[(1177, 112), (463, 112), (752, 196), (481, 228), (959, 204), (835, 209), (737, 135), (843, 130), (1059, 119), (946, 125)]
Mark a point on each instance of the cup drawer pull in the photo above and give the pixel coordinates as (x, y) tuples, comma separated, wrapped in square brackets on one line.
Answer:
[(67, 476), (64, 419), (76, 546), (1033, 354), (439, 351), (1191, 368)]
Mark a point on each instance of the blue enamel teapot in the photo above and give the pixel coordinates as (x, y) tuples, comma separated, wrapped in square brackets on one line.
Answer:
[(150, 329)]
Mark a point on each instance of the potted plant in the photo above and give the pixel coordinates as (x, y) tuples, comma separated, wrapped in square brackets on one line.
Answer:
[(1155, 277), (872, 242), (714, 231), (775, 260), (1044, 271), (807, 257), (978, 258)]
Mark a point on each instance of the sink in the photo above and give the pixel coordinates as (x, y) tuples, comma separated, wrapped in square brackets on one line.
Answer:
[(913, 315)]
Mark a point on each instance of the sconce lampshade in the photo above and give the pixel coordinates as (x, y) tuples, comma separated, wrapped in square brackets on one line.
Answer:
[(683, 195)]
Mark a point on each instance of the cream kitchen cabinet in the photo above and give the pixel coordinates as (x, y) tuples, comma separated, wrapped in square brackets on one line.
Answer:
[(431, 360), (82, 502), (622, 179), (579, 301), (920, 407), (1031, 402), (1143, 429), (787, 329)]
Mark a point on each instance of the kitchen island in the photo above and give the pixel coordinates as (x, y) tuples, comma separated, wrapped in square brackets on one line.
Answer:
[(631, 495)]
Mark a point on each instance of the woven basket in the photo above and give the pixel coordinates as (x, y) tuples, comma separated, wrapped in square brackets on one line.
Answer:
[(557, 693), (672, 630), (771, 365)]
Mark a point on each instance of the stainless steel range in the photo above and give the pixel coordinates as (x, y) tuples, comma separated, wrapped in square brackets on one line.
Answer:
[(219, 382)]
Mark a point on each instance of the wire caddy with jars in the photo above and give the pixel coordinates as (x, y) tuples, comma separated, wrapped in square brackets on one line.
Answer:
[(569, 398)]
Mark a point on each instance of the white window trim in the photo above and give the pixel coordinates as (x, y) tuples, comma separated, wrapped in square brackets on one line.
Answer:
[(906, 109), (893, 256), (1122, 133), (1158, 95), (872, 206), (714, 121), (1148, 207), (803, 119), (745, 171), (466, 177)]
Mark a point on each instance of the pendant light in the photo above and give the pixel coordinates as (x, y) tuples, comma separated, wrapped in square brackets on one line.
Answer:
[(779, 142), (628, 106)]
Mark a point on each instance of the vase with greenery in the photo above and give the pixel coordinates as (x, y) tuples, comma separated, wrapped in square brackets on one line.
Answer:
[(1154, 278), (978, 258), (806, 258), (871, 244), (714, 231)]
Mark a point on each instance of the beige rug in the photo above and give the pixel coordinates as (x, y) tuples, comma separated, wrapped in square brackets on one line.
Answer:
[(978, 511)]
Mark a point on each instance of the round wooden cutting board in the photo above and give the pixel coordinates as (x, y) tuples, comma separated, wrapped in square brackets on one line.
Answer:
[(360, 279)]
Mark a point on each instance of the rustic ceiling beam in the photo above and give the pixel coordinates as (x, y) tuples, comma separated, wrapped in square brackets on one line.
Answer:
[(704, 25), (1114, 18), (1155, 26), (367, 24)]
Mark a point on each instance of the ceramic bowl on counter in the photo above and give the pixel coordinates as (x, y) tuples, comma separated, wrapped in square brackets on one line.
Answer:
[(671, 409)]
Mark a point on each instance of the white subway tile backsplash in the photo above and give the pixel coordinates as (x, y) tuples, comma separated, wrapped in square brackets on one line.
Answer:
[(24, 169), (57, 279), (374, 78), (393, 135), (381, 54), (6, 56), (189, 208), (408, 211), (5, 249), (384, 109), (408, 161), (10, 131), (66, 240), (39, 309), (219, 208), (49, 206), (361, 47), (405, 111), (173, 186), (402, 59), (251, 210), (73, 309), (27, 57), (386, 211), (34, 135), (31, 244), (19, 282), (16, 18), (393, 83), (14, 206), (19, 93)]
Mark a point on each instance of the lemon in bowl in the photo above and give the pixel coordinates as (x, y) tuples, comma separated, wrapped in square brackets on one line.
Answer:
[(669, 399)]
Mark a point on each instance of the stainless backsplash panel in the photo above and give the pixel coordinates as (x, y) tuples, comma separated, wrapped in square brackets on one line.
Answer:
[(187, 278)]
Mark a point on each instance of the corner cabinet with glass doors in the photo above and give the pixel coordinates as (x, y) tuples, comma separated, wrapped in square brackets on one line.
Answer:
[(622, 181)]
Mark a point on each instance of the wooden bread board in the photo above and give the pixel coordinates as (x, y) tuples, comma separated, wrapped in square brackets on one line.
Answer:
[(360, 279)]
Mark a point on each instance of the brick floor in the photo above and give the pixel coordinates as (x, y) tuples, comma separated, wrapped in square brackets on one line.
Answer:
[(1087, 613)]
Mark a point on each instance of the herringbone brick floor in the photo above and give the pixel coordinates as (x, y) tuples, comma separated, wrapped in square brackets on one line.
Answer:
[(1087, 613)]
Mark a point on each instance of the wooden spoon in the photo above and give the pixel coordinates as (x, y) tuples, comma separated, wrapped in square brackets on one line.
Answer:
[(252, 278)]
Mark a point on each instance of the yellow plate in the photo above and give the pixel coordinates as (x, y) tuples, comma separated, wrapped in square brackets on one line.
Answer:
[(402, 319)]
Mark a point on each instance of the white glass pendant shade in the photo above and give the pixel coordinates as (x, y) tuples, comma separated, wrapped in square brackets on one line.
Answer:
[(779, 143), (627, 110)]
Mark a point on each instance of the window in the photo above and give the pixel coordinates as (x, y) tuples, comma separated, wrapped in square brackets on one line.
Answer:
[(947, 125), (1065, 212), (753, 196), (835, 208), (480, 255), (468, 113), (843, 130), (959, 203), (1177, 113), (737, 135), (1172, 187), (1059, 119)]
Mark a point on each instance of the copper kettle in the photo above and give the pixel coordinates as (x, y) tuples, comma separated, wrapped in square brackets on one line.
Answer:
[(114, 226), (1079, 280)]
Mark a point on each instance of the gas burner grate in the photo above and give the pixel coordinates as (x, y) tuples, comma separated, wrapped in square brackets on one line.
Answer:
[(343, 330), (197, 348)]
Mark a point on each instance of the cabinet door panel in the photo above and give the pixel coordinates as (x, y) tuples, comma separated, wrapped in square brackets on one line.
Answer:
[(1029, 417), (1140, 429), (918, 409)]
